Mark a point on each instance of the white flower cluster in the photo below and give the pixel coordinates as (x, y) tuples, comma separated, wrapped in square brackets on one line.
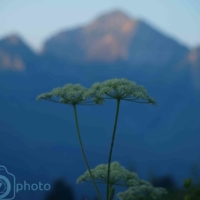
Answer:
[(68, 94), (141, 192), (120, 176), (119, 89)]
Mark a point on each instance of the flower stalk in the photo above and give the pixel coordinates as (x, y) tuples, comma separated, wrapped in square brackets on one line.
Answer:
[(110, 153), (72, 95), (83, 153)]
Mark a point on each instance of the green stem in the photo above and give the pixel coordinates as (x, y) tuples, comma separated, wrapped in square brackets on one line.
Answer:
[(111, 146), (111, 193), (84, 156)]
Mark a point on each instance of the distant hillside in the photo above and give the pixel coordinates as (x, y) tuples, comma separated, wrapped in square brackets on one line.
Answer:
[(194, 65), (194, 57), (14, 54), (191, 62), (114, 37), (111, 38)]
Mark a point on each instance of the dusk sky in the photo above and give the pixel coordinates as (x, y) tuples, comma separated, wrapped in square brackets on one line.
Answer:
[(37, 20)]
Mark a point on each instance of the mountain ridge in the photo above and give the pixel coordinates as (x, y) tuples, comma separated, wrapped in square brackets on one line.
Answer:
[(128, 42), (15, 53), (112, 37)]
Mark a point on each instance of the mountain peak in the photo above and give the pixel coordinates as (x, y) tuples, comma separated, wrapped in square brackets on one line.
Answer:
[(12, 39), (115, 36), (115, 20), (114, 15), (14, 53)]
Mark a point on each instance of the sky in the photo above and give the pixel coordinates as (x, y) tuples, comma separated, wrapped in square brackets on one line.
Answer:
[(37, 20)]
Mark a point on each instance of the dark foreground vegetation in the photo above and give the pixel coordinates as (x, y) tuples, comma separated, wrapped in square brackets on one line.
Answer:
[(190, 191)]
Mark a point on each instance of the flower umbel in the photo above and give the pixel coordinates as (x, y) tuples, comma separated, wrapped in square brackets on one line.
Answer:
[(71, 94), (121, 177), (141, 191), (121, 89), (118, 175)]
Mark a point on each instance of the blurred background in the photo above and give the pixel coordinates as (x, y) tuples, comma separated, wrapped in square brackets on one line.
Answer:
[(47, 44)]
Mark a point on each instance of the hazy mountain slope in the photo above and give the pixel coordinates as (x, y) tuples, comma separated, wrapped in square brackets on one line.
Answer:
[(112, 37), (15, 55), (191, 63), (194, 65), (194, 56), (149, 46)]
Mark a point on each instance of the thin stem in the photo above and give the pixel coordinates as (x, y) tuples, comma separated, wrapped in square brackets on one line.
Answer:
[(112, 192), (111, 147), (83, 153)]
